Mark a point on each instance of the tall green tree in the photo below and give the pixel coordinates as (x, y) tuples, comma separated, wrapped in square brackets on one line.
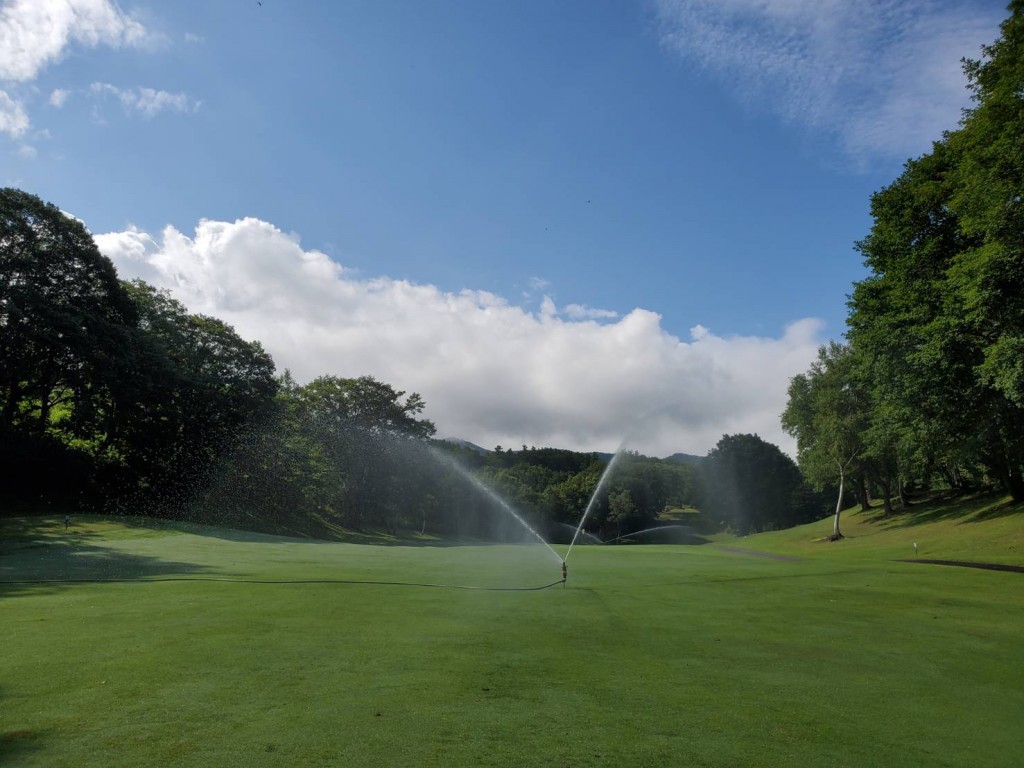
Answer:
[(191, 387), (828, 413), (939, 323), (750, 485), (364, 427), (64, 319)]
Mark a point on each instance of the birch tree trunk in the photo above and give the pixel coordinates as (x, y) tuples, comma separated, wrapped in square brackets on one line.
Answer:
[(836, 534)]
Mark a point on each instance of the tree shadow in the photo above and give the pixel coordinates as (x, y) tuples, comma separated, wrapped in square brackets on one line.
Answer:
[(37, 555), (974, 508), (323, 531), (367, 536), (20, 743)]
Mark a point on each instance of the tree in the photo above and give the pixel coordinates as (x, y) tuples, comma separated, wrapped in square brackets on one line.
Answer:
[(621, 510), (364, 425), (828, 414), (64, 319), (192, 387), (939, 324), (750, 485), (63, 313)]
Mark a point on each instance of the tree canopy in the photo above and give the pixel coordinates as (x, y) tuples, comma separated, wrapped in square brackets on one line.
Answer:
[(931, 383)]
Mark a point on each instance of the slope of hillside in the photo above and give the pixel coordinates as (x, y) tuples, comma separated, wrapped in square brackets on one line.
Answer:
[(982, 528)]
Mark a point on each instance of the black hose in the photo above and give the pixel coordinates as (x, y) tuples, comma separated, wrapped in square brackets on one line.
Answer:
[(280, 581)]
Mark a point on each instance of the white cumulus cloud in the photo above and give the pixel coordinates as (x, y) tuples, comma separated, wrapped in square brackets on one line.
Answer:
[(36, 33), (883, 76), (490, 372)]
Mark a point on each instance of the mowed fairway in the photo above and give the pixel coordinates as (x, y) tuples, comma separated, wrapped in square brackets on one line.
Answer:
[(657, 655)]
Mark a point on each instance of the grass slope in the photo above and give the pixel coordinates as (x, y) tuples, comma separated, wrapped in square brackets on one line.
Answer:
[(651, 656), (983, 528)]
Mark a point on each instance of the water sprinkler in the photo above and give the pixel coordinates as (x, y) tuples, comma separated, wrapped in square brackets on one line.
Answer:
[(565, 573)]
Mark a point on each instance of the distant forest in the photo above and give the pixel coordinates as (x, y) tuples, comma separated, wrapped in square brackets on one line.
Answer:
[(115, 398)]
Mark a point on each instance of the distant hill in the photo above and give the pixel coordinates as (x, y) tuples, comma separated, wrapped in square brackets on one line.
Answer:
[(684, 458), (677, 458), (465, 444)]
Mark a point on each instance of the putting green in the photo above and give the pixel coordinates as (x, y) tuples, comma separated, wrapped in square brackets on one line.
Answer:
[(658, 655)]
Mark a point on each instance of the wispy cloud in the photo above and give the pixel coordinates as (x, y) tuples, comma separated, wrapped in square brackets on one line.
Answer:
[(538, 283), (13, 118), (490, 371), (58, 97), (581, 312), (35, 34), (882, 76), (147, 101)]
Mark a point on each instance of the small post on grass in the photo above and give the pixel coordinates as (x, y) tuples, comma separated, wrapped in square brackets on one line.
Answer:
[(915, 549)]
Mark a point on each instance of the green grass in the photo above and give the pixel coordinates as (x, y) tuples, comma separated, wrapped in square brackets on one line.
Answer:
[(981, 528), (651, 656)]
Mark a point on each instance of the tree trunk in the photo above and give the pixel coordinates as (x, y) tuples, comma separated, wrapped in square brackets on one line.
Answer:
[(887, 491), (836, 533), (1015, 483), (904, 503), (948, 474), (864, 495)]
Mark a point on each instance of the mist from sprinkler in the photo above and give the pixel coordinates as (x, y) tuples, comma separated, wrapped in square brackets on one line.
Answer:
[(593, 498)]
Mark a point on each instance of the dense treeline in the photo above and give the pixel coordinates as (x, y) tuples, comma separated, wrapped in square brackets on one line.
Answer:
[(106, 389), (929, 386)]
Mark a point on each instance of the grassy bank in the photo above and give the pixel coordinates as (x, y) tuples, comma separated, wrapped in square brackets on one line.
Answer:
[(982, 528)]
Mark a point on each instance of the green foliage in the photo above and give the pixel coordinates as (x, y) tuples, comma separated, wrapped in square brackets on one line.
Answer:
[(126, 394), (339, 451), (749, 486), (191, 386), (932, 383), (64, 320)]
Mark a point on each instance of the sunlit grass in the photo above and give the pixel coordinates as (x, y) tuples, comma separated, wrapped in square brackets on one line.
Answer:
[(659, 655), (981, 528)]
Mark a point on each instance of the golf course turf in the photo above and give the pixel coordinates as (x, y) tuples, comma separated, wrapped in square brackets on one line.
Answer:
[(832, 655)]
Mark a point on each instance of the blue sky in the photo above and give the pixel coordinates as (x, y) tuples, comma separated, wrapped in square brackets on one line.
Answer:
[(565, 223)]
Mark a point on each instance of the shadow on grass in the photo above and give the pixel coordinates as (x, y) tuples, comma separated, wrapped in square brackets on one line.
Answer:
[(974, 508), (379, 538), (20, 743), (38, 555), (21, 533), (318, 530)]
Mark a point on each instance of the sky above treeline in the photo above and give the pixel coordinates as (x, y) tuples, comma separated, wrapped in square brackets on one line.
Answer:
[(577, 224)]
